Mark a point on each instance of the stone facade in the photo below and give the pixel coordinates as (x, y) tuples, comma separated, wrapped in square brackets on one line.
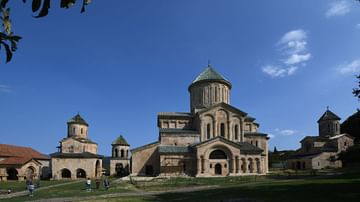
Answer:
[(77, 156), (120, 158), (318, 152), (214, 139), (22, 163)]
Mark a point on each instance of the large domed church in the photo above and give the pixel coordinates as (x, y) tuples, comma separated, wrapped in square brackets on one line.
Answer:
[(213, 139)]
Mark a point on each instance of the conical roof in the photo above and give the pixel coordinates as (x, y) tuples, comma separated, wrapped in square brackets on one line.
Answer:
[(209, 74), (329, 115), (120, 141), (77, 119)]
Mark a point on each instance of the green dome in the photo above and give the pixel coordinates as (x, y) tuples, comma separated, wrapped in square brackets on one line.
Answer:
[(120, 141), (77, 120), (209, 74)]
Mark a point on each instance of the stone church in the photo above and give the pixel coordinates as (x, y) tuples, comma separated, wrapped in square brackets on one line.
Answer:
[(77, 155), (322, 151), (214, 139)]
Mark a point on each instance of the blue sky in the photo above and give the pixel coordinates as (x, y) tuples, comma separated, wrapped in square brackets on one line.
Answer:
[(122, 62)]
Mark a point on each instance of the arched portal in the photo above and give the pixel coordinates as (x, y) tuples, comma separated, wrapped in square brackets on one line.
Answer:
[(218, 169), (80, 173), (97, 169), (30, 173), (12, 174), (65, 173)]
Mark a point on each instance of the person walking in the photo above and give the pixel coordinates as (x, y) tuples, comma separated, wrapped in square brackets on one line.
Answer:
[(31, 188), (97, 182), (106, 183), (88, 185)]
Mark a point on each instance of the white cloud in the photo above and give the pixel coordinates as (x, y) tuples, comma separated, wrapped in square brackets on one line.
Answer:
[(285, 132), (275, 71), (297, 58), (292, 46), (5, 89), (338, 8), (271, 136), (294, 35), (350, 68)]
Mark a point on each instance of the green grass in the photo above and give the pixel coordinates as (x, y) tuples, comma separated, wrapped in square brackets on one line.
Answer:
[(76, 189), (21, 186)]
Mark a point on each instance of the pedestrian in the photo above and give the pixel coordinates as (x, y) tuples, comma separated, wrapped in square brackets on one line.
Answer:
[(31, 188), (97, 182), (88, 185), (106, 183), (9, 191)]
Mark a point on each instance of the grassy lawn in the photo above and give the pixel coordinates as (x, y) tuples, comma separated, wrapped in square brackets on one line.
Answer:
[(265, 188), (21, 186), (76, 189)]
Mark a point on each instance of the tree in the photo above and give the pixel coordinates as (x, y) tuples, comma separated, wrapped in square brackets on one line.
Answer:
[(351, 126), (356, 91), (7, 38)]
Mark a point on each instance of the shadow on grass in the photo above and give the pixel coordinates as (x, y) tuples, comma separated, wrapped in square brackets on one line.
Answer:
[(301, 190)]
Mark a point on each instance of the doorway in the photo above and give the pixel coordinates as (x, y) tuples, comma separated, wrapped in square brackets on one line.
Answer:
[(218, 169)]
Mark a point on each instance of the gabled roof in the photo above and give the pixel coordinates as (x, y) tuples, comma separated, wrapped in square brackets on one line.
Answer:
[(174, 114), (77, 119), (79, 139), (120, 141), (145, 146), (328, 115), (315, 138), (209, 74), (17, 155), (244, 147), (224, 105)]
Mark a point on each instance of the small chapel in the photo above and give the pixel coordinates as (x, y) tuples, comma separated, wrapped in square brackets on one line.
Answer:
[(213, 139)]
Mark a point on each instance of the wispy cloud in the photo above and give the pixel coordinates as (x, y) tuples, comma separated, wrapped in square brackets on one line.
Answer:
[(285, 132), (338, 8), (272, 136), (5, 89), (292, 46), (350, 68)]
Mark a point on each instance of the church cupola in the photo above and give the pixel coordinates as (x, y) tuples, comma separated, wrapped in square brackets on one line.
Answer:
[(77, 127), (329, 124), (120, 148), (207, 89)]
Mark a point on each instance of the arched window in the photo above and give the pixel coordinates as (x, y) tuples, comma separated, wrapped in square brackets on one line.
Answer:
[(218, 154), (116, 153), (222, 129), (71, 149), (208, 131), (122, 153), (236, 132), (81, 130)]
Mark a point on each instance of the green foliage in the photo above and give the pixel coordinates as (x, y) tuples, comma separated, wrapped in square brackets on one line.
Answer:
[(356, 91), (351, 126), (7, 38), (351, 155)]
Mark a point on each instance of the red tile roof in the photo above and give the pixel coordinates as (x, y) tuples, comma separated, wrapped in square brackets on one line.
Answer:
[(17, 155)]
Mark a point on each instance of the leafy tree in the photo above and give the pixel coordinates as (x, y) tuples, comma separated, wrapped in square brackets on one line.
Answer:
[(356, 91), (351, 155), (351, 126), (7, 38)]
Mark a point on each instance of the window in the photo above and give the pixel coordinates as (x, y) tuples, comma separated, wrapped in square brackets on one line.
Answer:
[(328, 128), (208, 131), (222, 129), (236, 132), (71, 149), (344, 143), (122, 153), (81, 131), (256, 143)]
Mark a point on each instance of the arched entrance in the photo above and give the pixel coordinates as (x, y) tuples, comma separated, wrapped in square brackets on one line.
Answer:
[(218, 169), (97, 169), (30, 173), (80, 173), (65, 173), (12, 174), (218, 154)]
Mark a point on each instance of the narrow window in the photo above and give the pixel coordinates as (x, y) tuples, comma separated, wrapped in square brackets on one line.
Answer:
[(81, 131), (236, 132), (256, 143), (329, 128), (122, 153), (222, 130), (208, 131)]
